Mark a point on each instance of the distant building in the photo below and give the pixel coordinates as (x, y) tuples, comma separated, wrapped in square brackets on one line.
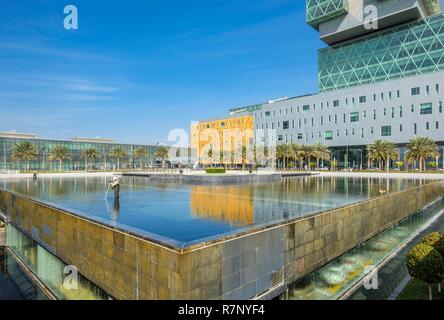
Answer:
[(220, 141), (77, 161)]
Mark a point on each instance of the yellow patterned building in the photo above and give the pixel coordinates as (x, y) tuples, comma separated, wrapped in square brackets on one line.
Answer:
[(227, 135)]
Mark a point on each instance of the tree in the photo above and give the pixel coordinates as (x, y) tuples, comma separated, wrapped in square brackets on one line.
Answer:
[(307, 152), (90, 154), (295, 153), (426, 264), (162, 153), (382, 151), (420, 149), (140, 153), (399, 164), (59, 153), (25, 151), (118, 153), (280, 153), (321, 152)]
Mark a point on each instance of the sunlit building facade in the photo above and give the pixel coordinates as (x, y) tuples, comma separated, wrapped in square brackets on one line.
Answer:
[(220, 141)]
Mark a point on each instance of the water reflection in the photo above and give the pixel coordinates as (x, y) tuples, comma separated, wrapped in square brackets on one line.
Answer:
[(189, 212), (14, 283)]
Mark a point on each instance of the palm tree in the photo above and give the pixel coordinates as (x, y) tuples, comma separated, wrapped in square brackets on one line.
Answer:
[(162, 153), (321, 152), (90, 154), (140, 153), (381, 151), (244, 156), (118, 153), (307, 152), (280, 153), (420, 149), (391, 153), (26, 151), (59, 153)]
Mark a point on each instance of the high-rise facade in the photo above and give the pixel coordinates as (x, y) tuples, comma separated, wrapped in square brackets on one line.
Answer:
[(381, 76)]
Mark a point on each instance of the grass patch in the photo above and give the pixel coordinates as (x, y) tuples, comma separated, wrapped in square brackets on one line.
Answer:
[(215, 170), (418, 290)]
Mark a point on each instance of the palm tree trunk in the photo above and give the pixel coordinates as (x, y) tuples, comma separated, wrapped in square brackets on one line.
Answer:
[(388, 165), (430, 292), (118, 164), (60, 165)]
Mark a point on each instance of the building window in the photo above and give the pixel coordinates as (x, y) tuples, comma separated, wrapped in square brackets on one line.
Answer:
[(336, 103), (336, 119), (374, 114), (393, 112), (374, 97), (426, 108), (400, 112), (437, 88), (416, 91), (362, 99), (415, 128), (427, 90), (345, 118), (365, 114), (268, 113), (286, 125), (386, 131), (412, 108), (400, 128), (328, 135), (354, 117), (306, 108), (300, 136), (385, 111), (440, 107), (398, 94), (372, 130), (280, 138), (427, 125), (437, 125)]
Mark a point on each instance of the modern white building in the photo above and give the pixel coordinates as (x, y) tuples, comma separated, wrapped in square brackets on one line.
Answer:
[(382, 79)]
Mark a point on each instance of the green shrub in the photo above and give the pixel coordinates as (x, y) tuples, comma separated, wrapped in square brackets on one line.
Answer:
[(2, 224), (432, 239), (425, 263), (215, 170)]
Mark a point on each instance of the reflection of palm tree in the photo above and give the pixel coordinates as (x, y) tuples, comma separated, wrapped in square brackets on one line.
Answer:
[(91, 154), (118, 153), (420, 149), (59, 153), (162, 153), (140, 153), (26, 151)]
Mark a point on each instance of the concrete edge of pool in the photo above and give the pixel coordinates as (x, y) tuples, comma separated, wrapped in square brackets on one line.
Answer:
[(240, 266)]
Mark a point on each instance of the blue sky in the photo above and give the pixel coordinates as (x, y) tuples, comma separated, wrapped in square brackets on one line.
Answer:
[(136, 69)]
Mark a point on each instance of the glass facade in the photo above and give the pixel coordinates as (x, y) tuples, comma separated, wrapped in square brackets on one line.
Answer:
[(77, 161), (408, 50), (319, 11), (49, 269)]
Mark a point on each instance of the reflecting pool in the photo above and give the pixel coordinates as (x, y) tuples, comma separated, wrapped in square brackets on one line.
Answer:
[(186, 213)]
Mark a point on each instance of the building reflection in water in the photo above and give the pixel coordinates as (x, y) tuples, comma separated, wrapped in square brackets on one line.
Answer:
[(232, 204)]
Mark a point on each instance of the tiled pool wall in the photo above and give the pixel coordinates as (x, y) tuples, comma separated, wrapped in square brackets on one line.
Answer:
[(237, 267)]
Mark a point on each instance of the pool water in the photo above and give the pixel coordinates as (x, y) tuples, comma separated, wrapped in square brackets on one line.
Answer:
[(183, 213)]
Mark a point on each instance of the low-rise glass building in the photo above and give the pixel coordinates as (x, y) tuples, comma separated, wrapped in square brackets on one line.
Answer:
[(77, 160)]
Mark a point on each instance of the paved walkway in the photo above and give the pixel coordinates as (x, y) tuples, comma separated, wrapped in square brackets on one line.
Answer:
[(393, 276), (391, 175)]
